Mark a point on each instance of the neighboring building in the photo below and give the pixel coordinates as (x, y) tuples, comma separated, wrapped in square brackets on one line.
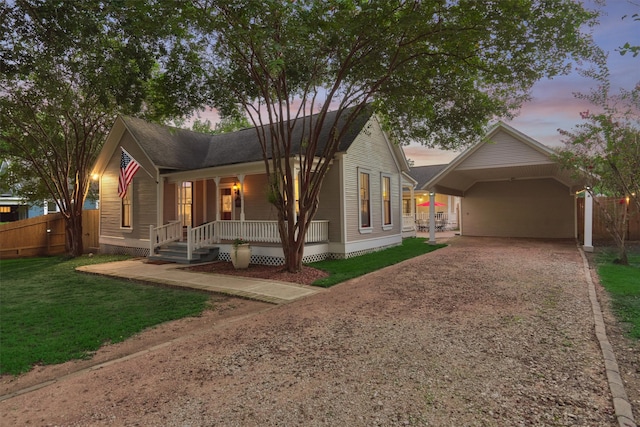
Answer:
[(14, 208), (215, 188)]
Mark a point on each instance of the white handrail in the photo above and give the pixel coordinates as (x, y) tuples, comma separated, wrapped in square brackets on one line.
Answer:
[(199, 237), (212, 232), (267, 231), (164, 234)]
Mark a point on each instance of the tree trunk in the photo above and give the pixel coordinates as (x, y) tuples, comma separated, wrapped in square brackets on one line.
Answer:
[(294, 247), (73, 233)]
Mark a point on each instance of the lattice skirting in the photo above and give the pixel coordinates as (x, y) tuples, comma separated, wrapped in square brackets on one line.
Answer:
[(255, 259), (124, 250), (272, 260), (361, 252)]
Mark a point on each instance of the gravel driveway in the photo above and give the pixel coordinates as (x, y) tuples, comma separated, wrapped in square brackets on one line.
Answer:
[(485, 332)]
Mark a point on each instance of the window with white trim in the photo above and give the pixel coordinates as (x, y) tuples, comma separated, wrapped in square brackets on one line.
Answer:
[(365, 200), (386, 201), (126, 208)]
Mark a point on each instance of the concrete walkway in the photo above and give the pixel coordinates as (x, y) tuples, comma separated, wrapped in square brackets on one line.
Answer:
[(270, 291), (173, 275)]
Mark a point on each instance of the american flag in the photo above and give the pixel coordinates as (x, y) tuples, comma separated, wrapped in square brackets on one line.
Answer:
[(128, 168)]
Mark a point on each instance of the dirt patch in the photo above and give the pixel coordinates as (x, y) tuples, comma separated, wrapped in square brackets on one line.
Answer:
[(306, 276), (485, 332)]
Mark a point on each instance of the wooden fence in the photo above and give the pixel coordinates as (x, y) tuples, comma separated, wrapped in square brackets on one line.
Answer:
[(44, 235), (600, 233)]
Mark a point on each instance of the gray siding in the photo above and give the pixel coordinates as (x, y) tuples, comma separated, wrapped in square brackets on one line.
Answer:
[(144, 196), (371, 153), (330, 200), (541, 208), (504, 150), (256, 203)]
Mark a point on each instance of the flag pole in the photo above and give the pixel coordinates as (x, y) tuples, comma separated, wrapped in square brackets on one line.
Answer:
[(142, 167)]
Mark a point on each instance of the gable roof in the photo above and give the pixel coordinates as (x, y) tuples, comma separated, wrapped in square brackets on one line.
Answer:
[(503, 154), (175, 149), (422, 174)]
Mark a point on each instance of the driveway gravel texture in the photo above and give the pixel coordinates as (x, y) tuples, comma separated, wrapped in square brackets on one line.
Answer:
[(484, 332)]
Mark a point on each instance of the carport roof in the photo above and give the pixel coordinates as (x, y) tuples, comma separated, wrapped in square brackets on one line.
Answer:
[(504, 154)]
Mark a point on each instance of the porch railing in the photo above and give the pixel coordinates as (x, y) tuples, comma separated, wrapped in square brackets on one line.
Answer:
[(164, 234), (267, 231), (443, 221), (212, 232), (408, 222)]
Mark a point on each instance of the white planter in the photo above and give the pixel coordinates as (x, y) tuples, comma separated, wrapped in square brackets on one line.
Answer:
[(241, 255)]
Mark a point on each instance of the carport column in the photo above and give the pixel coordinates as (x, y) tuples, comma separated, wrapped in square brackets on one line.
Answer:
[(412, 207), (588, 222), (432, 218)]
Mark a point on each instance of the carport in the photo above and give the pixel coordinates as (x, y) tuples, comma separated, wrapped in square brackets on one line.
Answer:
[(510, 186)]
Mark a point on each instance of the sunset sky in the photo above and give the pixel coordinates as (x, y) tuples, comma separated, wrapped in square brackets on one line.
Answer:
[(553, 105)]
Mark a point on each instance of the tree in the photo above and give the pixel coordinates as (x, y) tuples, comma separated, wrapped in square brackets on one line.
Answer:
[(606, 149), (434, 72), (628, 47), (66, 70)]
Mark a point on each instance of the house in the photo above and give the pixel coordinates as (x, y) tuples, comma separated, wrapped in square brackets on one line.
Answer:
[(15, 208), (210, 189), (511, 186)]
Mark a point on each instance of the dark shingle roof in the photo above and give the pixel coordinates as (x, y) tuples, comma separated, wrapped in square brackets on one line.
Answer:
[(423, 174), (180, 149)]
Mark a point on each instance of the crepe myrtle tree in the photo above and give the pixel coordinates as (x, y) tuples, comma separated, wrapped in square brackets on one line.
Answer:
[(605, 148), (433, 71), (67, 69)]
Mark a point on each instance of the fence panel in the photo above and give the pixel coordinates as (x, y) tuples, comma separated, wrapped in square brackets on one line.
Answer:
[(45, 235), (600, 232)]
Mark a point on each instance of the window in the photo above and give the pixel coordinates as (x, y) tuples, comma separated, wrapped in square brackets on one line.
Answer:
[(186, 203), (126, 208), (365, 202), (386, 201)]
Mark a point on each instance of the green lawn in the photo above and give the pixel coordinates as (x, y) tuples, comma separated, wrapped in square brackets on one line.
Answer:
[(51, 313), (623, 284), (345, 269)]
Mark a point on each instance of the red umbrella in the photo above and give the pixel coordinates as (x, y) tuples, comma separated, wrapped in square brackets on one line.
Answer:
[(429, 204)]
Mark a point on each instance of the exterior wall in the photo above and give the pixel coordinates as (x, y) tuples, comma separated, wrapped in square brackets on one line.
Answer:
[(504, 151), (144, 206), (542, 208), (256, 203), (170, 203), (370, 153), (211, 202), (329, 207), (198, 203)]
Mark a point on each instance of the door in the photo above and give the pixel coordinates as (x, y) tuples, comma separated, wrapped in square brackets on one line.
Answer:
[(226, 204)]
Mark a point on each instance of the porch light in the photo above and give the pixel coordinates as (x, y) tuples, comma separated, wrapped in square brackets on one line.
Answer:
[(236, 189)]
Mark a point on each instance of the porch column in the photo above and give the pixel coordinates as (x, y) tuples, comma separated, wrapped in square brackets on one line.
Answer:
[(241, 179), (588, 222), (205, 215), (217, 181), (412, 208), (180, 207), (432, 217)]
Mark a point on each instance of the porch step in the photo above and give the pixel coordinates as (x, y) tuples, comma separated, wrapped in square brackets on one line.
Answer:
[(177, 252)]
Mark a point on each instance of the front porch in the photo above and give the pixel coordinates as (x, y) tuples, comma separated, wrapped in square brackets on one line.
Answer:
[(263, 235)]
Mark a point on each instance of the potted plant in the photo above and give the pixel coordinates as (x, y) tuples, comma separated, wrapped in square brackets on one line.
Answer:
[(241, 253)]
